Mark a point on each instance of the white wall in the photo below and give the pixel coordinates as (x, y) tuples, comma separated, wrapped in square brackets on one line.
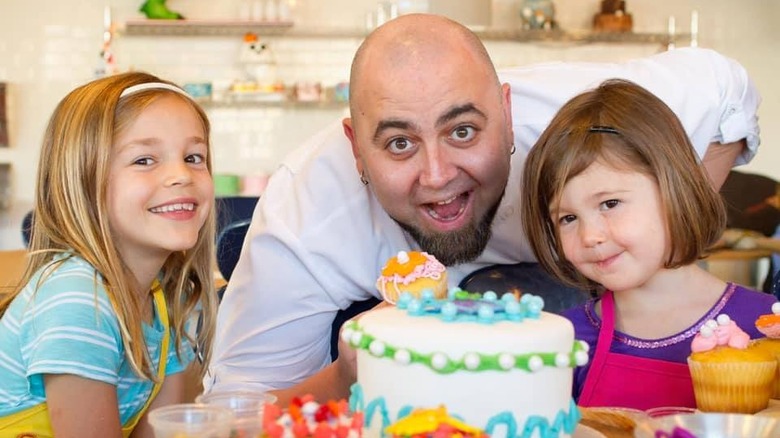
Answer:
[(47, 47)]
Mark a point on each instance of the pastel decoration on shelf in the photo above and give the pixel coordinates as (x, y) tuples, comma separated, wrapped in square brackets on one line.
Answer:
[(308, 91), (254, 185), (227, 184), (107, 65), (199, 91), (538, 14), (341, 92), (158, 10)]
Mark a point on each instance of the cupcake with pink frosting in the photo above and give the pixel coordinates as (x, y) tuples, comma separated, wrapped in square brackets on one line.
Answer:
[(413, 272), (729, 373), (769, 325)]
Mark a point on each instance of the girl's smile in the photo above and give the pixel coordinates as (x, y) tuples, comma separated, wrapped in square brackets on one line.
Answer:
[(611, 226)]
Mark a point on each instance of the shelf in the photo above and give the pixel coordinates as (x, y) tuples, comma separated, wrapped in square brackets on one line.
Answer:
[(228, 28), (561, 36), (288, 29), (285, 104)]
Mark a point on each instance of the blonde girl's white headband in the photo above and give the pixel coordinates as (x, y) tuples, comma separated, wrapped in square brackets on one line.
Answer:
[(152, 85)]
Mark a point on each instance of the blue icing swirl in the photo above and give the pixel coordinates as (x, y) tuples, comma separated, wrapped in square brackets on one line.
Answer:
[(563, 423)]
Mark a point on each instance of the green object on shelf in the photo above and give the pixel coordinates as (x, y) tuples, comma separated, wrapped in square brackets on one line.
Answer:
[(226, 185), (156, 9)]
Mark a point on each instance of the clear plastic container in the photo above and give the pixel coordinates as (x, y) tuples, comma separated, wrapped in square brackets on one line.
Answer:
[(191, 421), (709, 425), (246, 406)]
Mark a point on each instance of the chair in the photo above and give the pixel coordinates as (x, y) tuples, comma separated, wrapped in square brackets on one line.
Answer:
[(27, 228), (747, 197), (233, 216), (229, 243), (776, 285), (751, 203), (232, 209), (525, 278)]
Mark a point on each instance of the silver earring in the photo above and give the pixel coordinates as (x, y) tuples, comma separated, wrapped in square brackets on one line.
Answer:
[(363, 178), (512, 151)]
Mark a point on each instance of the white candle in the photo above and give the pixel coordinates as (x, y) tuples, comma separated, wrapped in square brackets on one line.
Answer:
[(107, 18), (671, 29), (694, 28)]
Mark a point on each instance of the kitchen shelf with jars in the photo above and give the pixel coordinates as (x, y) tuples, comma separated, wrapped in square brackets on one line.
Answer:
[(288, 29), (304, 96)]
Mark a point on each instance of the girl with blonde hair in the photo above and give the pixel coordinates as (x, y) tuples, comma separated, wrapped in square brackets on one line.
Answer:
[(616, 201), (97, 333)]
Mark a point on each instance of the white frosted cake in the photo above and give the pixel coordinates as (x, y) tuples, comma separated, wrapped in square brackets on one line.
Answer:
[(502, 365)]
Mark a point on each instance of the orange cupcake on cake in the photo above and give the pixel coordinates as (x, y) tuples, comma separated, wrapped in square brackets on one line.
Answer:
[(412, 272), (769, 325), (729, 373)]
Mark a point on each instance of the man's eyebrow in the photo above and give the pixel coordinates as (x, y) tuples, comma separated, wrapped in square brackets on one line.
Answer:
[(457, 111), (451, 114), (390, 124)]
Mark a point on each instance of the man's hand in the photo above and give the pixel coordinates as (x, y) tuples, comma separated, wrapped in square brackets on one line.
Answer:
[(333, 381), (347, 360)]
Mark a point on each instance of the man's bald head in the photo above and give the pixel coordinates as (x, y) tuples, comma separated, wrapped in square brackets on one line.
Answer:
[(416, 40)]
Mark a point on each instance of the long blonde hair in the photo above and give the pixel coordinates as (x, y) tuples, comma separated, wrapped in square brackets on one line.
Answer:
[(71, 215)]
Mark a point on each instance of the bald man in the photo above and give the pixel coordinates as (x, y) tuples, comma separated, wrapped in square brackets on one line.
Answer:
[(429, 160)]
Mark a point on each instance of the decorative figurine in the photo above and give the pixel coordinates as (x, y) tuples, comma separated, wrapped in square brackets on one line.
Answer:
[(538, 14), (613, 17), (156, 9), (259, 82)]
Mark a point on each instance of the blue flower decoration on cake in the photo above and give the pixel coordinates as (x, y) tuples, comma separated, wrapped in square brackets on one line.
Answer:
[(461, 305)]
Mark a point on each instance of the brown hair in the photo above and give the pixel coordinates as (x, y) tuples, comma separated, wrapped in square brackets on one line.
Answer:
[(71, 214), (624, 125)]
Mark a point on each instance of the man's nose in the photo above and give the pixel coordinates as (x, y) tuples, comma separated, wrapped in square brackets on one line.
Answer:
[(438, 166)]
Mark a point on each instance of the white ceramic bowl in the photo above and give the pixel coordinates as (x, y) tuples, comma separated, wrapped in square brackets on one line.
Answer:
[(710, 426)]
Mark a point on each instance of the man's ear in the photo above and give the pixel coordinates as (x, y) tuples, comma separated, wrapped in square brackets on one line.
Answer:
[(506, 98), (349, 132)]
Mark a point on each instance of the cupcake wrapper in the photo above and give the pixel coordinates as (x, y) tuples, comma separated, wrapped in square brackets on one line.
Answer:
[(743, 387), (772, 346)]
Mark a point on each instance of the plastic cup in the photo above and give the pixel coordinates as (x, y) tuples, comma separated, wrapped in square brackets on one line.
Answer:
[(191, 421), (247, 409)]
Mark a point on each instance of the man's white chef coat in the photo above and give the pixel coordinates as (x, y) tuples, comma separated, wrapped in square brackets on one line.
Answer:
[(319, 238)]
